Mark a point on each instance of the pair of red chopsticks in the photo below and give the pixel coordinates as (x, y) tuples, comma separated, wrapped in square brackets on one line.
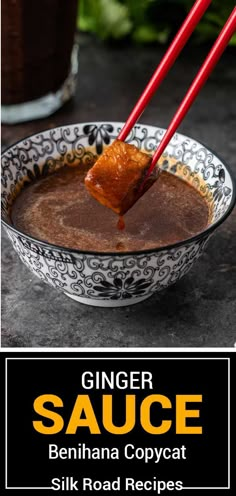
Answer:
[(162, 69)]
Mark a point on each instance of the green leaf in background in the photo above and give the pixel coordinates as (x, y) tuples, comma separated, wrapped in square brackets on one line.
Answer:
[(213, 21), (150, 21), (233, 40), (146, 33), (113, 20), (107, 18), (138, 10)]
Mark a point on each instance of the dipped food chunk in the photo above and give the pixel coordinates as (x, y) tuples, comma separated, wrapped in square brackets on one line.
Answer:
[(116, 177)]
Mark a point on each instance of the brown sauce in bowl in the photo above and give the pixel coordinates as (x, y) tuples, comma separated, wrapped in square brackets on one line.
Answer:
[(58, 209)]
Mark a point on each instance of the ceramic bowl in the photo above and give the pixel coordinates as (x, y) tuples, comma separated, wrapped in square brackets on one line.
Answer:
[(112, 279)]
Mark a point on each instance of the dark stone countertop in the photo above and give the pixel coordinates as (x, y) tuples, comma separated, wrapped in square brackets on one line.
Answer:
[(198, 311)]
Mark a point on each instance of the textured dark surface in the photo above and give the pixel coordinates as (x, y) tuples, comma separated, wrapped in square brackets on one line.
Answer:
[(200, 310)]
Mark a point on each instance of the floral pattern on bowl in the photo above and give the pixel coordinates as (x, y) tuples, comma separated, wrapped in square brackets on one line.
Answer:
[(111, 279)]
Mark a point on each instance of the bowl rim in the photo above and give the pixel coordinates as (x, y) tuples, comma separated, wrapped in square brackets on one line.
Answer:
[(119, 254)]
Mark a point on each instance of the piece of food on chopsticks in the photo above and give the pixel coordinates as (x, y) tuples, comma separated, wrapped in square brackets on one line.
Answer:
[(117, 176)]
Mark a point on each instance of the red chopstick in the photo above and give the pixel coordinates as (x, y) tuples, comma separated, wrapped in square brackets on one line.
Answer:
[(198, 82), (166, 63)]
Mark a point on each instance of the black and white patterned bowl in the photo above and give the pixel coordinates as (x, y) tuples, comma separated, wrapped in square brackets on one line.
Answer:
[(112, 279)]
